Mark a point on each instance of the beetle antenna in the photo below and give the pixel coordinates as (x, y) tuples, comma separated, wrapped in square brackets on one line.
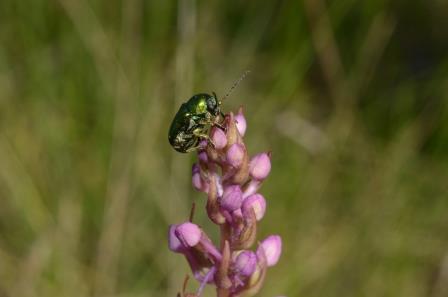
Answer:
[(235, 84)]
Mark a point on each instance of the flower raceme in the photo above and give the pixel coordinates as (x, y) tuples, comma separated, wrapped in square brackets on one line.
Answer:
[(231, 179)]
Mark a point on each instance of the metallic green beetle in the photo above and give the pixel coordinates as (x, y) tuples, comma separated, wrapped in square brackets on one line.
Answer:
[(194, 119), (192, 122)]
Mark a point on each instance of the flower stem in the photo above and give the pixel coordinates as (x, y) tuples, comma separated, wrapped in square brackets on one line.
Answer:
[(222, 292), (225, 234)]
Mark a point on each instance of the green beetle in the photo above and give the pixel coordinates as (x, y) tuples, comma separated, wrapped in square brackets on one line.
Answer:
[(194, 119), (192, 122)]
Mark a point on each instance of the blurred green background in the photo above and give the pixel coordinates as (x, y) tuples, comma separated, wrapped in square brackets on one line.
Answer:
[(350, 96)]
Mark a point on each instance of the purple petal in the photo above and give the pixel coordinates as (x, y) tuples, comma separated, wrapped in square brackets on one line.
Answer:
[(218, 137), (257, 203), (245, 263), (235, 155), (260, 166), (232, 198), (240, 120), (202, 156), (188, 233), (272, 248), (196, 179), (173, 242)]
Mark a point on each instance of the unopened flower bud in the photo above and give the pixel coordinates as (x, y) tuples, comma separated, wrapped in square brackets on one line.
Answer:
[(272, 249), (256, 279), (218, 137), (174, 243), (245, 263), (232, 198), (202, 156), (260, 166), (240, 120), (198, 182), (188, 233), (257, 203), (235, 155), (203, 144)]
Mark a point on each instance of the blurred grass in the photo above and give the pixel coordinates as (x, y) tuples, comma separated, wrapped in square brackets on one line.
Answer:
[(350, 96)]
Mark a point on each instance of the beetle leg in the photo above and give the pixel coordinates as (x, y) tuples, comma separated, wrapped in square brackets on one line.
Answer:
[(195, 148), (205, 136), (213, 122), (192, 149), (208, 119), (220, 126)]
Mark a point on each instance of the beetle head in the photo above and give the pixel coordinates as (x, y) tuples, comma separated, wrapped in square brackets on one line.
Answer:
[(213, 104)]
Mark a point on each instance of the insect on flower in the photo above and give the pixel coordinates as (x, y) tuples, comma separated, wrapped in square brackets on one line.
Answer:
[(195, 118), (231, 179)]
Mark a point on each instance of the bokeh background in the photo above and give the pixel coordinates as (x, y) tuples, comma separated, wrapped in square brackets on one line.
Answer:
[(350, 96)]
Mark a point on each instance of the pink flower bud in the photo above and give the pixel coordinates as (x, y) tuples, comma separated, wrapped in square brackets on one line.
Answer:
[(173, 242), (235, 155), (240, 120), (218, 137), (188, 234), (203, 144), (202, 156), (232, 198), (260, 166), (196, 179), (245, 263), (272, 248), (257, 203)]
